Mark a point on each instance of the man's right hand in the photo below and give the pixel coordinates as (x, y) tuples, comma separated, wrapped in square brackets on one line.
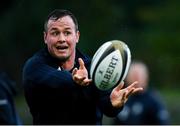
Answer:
[(80, 76)]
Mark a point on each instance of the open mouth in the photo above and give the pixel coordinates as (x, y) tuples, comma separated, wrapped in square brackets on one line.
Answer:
[(61, 47)]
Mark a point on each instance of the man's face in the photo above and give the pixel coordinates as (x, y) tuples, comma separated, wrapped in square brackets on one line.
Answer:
[(137, 72), (61, 38)]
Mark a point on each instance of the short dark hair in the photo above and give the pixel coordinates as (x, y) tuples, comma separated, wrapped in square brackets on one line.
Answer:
[(58, 13)]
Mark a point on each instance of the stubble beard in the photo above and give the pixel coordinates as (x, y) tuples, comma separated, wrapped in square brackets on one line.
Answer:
[(62, 58)]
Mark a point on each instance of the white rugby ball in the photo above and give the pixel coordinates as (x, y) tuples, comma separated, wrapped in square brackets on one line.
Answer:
[(110, 64)]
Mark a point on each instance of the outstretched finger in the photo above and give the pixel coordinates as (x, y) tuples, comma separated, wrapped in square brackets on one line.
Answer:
[(124, 96), (119, 86), (130, 92), (134, 90), (137, 90), (81, 63), (132, 85), (87, 82), (79, 78)]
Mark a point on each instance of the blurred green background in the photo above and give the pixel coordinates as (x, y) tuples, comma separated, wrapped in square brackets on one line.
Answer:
[(151, 28)]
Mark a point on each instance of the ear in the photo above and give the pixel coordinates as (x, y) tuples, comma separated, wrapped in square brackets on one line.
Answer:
[(45, 36), (77, 36)]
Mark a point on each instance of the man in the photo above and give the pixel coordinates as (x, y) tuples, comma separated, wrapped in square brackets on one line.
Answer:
[(8, 113), (56, 79), (144, 108)]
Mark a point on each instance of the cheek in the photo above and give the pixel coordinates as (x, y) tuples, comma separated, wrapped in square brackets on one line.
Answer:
[(70, 41), (73, 45), (50, 40)]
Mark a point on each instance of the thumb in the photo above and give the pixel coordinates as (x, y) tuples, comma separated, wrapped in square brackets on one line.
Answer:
[(74, 71)]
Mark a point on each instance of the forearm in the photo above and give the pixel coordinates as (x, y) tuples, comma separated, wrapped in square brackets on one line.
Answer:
[(44, 75), (106, 106)]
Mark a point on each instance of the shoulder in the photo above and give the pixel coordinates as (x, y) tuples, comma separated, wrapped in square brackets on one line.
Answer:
[(35, 59), (7, 84), (155, 96), (33, 62), (37, 55), (85, 57)]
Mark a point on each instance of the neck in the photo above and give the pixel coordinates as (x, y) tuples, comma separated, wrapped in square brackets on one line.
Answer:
[(68, 65)]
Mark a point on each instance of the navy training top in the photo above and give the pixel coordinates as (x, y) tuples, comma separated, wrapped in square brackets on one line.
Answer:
[(54, 98)]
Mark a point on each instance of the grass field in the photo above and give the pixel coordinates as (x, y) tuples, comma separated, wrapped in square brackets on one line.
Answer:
[(172, 99)]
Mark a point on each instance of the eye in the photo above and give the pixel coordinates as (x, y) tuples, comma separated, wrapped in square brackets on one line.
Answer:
[(66, 33), (54, 33)]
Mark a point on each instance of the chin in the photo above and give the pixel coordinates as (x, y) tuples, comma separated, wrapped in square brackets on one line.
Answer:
[(63, 58)]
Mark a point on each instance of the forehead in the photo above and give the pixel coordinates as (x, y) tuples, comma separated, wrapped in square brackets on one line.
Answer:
[(65, 22), (137, 69)]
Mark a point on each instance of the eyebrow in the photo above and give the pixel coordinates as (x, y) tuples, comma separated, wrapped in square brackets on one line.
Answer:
[(67, 28), (57, 29), (53, 29)]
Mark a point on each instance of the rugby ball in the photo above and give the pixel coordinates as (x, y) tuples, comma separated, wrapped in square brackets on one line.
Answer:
[(110, 64)]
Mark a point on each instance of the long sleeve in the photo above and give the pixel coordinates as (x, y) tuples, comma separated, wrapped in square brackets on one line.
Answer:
[(8, 113), (45, 75), (106, 106), (54, 98)]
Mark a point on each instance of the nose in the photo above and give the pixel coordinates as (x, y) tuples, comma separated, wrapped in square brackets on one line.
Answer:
[(61, 38)]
